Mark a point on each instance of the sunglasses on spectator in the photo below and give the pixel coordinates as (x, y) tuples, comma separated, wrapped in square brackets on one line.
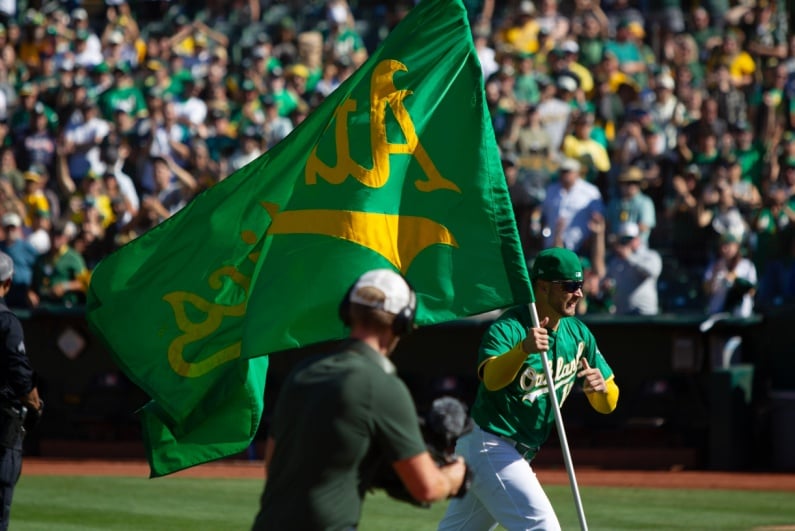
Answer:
[(569, 286)]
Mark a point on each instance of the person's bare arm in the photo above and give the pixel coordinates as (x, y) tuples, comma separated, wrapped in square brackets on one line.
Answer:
[(779, 51), (62, 175), (182, 149), (32, 400), (598, 228), (183, 175), (254, 9), (487, 13), (219, 38), (427, 482), (179, 36)]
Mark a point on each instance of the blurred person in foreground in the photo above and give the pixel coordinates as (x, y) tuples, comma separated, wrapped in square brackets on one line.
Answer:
[(513, 413), (19, 396), (350, 402)]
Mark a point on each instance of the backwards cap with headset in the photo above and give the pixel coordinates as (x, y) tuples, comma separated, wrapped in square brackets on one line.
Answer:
[(400, 299)]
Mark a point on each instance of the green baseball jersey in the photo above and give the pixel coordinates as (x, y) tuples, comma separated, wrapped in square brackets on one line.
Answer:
[(522, 410), (338, 417)]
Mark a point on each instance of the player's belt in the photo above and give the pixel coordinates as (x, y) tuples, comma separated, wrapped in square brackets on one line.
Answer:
[(525, 450)]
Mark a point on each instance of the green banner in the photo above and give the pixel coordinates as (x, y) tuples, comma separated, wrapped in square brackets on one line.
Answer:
[(397, 168)]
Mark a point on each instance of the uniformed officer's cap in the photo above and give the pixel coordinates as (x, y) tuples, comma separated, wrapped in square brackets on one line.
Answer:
[(6, 267), (557, 263)]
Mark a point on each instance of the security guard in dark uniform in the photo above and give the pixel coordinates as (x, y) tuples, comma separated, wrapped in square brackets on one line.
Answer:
[(19, 397)]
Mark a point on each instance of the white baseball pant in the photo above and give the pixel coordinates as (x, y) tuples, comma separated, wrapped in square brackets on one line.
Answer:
[(504, 490)]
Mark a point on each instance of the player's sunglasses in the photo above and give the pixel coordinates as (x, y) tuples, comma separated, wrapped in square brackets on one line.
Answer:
[(569, 286)]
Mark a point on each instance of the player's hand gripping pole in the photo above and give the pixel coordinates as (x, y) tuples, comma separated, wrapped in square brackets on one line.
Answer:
[(564, 444)]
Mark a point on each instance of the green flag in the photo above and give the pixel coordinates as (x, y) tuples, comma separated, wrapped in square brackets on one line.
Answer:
[(397, 168)]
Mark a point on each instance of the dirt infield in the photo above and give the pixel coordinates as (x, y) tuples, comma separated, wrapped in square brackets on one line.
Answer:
[(585, 476)]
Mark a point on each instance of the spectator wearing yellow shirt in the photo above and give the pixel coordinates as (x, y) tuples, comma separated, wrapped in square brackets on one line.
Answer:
[(741, 65), (580, 146), (522, 35), (91, 204), (613, 74), (32, 42), (34, 199), (181, 42)]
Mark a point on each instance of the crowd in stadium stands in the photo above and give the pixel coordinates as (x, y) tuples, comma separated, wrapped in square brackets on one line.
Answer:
[(632, 132)]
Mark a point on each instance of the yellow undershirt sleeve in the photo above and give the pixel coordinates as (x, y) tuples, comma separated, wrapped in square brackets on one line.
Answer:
[(498, 371), (604, 402)]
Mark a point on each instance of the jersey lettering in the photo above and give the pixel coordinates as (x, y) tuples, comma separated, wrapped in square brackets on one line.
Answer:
[(535, 383)]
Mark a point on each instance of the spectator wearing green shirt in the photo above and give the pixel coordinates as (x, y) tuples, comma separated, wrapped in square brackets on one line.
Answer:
[(342, 38), (591, 41), (630, 59), (60, 276), (526, 89), (249, 111), (749, 152), (124, 92), (706, 35), (28, 99)]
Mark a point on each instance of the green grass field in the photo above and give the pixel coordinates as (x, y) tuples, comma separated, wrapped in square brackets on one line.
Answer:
[(70, 503)]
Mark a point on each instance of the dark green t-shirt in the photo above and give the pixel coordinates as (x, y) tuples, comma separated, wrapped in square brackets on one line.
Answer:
[(337, 418), (522, 410)]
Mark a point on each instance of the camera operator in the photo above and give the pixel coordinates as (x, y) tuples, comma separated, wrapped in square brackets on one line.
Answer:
[(343, 413)]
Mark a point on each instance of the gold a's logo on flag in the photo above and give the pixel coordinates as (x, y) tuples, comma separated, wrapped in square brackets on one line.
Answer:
[(375, 230)]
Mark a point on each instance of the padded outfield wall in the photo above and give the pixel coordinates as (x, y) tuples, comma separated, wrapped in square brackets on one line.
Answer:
[(719, 399)]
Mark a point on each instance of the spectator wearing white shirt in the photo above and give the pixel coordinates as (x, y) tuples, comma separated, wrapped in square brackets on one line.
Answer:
[(84, 55), (554, 110), (568, 206), (8, 9), (191, 109), (81, 22), (249, 148), (118, 50), (486, 54), (633, 271), (83, 134), (730, 280), (276, 127), (112, 157)]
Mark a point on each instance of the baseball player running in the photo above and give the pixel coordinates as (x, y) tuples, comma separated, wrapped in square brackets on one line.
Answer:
[(512, 410)]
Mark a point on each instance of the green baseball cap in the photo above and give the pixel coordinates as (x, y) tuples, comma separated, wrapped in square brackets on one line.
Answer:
[(556, 263)]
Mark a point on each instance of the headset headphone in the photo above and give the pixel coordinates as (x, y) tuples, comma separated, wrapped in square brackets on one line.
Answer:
[(404, 318)]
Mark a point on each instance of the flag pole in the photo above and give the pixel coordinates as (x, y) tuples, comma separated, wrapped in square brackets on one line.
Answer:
[(564, 444)]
